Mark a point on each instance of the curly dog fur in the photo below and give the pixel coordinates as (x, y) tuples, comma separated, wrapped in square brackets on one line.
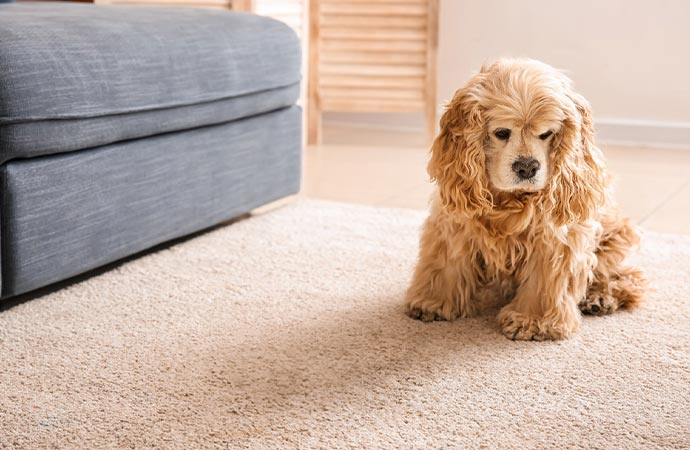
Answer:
[(543, 238)]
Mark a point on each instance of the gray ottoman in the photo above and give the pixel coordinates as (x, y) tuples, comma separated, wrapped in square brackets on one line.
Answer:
[(124, 127)]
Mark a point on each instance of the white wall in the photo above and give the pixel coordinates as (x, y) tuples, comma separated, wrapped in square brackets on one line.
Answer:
[(631, 59)]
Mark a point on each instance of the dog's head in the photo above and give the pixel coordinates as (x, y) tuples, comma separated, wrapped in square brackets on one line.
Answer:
[(518, 127)]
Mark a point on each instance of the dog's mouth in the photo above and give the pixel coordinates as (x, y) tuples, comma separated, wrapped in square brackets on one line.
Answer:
[(531, 185), (518, 186)]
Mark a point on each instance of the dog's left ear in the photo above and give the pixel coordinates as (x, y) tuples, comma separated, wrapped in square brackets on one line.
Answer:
[(579, 179)]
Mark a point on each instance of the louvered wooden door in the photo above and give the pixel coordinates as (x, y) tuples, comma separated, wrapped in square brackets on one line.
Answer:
[(372, 56)]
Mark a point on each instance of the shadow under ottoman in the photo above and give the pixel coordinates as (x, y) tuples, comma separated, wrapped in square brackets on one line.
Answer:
[(125, 127)]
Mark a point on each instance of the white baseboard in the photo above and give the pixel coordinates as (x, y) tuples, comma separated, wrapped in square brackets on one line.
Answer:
[(643, 133), (624, 132)]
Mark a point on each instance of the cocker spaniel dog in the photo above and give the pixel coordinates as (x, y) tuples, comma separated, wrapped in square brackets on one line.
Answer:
[(523, 213)]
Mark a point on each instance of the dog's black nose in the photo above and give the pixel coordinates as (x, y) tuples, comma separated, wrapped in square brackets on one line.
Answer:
[(526, 168)]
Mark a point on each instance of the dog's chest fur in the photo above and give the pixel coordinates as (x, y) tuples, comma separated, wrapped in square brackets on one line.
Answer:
[(497, 245), (501, 258), (496, 248)]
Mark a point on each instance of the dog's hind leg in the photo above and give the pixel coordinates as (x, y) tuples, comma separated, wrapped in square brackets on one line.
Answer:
[(615, 285)]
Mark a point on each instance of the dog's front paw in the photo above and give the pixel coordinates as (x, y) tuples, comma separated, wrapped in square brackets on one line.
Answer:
[(419, 313), (521, 327), (427, 313)]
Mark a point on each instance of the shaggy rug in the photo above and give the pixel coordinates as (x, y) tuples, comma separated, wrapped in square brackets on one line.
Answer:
[(286, 330)]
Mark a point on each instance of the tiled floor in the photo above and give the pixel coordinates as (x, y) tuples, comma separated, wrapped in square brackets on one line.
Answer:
[(364, 166)]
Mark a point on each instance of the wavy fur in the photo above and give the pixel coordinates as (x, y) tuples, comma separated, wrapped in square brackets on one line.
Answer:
[(544, 254)]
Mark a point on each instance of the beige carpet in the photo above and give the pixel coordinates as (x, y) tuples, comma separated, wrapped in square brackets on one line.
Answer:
[(286, 331)]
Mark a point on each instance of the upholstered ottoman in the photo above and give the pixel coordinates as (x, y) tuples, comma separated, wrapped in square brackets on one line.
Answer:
[(124, 127)]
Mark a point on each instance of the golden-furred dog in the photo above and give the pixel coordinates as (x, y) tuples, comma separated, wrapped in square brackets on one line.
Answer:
[(523, 212)]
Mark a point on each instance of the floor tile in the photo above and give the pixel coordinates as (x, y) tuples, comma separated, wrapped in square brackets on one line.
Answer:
[(361, 174), (674, 215), (639, 197), (416, 197)]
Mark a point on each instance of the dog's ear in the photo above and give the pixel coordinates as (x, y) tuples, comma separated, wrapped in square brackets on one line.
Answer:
[(577, 187), (457, 156)]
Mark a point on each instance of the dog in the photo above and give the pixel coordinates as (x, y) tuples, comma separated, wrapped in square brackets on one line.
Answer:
[(523, 214)]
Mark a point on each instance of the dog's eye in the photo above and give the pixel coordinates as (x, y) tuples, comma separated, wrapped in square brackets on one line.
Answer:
[(502, 133), (546, 135)]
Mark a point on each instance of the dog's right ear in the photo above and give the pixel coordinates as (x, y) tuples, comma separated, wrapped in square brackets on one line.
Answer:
[(457, 156)]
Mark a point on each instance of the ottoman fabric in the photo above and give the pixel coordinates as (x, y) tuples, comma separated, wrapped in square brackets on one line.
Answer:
[(122, 127), (75, 62), (29, 139), (65, 214)]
